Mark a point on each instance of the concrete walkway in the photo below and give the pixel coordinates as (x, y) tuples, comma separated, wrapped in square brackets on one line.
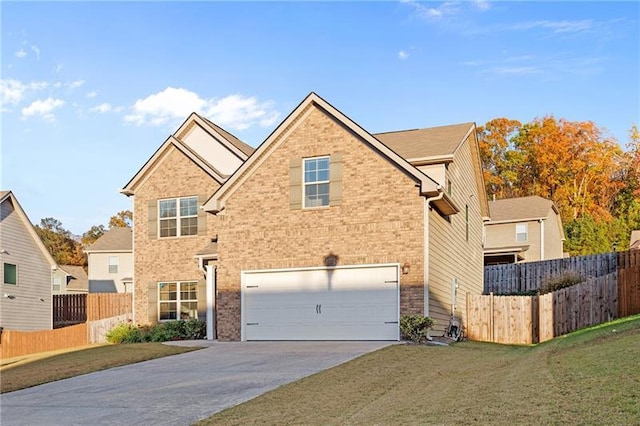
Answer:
[(176, 390)]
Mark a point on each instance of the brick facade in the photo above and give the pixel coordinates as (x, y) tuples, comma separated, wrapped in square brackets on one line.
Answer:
[(168, 259), (379, 219)]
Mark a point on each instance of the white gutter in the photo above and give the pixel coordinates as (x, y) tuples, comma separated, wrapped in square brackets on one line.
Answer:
[(428, 201)]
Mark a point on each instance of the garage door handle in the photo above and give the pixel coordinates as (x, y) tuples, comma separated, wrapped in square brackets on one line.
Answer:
[(253, 323), (318, 309), (391, 322)]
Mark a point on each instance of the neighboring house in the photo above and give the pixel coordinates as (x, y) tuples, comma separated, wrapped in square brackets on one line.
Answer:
[(325, 232), (634, 243), (523, 229), (27, 265), (110, 260), (70, 279), (173, 237)]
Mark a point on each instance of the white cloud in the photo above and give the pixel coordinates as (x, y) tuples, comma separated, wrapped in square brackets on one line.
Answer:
[(36, 50), (403, 54), (38, 85), (92, 94), (57, 85), (174, 104), (13, 92), (515, 70), (482, 5), (557, 27), (57, 68), (103, 107), (21, 54), (42, 108), (75, 84), (446, 9)]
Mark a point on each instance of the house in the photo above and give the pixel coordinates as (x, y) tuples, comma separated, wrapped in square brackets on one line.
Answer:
[(325, 232), (70, 279), (174, 238), (110, 260), (27, 265), (523, 229), (634, 242)]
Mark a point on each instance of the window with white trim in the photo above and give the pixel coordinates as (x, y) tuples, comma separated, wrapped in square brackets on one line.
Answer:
[(178, 217), (315, 182), (522, 232), (113, 264), (57, 283), (177, 300)]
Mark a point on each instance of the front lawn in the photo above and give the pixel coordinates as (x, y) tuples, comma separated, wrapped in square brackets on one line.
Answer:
[(589, 377)]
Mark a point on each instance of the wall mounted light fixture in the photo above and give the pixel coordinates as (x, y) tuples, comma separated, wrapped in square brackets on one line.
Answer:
[(406, 267)]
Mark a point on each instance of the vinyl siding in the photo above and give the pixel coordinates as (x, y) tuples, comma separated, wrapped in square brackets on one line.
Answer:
[(101, 281), (26, 311), (451, 255), (504, 235), (553, 237)]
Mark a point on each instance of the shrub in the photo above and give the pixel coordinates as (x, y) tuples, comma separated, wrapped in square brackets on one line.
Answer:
[(122, 333), (565, 280), (415, 327), (172, 330)]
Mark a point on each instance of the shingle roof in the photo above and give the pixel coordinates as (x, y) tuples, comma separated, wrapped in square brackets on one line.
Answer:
[(80, 281), (533, 207), (209, 249), (115, 239), (424, 143), (231, 138), (635, 240)]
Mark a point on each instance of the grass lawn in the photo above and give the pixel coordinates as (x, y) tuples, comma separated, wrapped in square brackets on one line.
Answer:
[(69, 364), (589, 377)]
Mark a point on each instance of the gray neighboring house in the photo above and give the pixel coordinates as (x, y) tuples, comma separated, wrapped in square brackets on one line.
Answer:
[(70, 279), (110, 260), (27, 265), (524, 229)]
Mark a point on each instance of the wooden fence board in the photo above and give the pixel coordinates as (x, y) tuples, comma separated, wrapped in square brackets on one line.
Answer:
[(18, 343)]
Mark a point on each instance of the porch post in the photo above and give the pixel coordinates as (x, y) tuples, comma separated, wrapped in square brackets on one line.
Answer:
[(211, 303)]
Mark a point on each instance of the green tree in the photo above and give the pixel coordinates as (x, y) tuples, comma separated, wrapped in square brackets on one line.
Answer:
[(60, 242), (121, 219), (92, 235)]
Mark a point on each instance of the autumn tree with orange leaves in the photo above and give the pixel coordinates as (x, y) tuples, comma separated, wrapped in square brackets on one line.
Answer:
[(594, 183)]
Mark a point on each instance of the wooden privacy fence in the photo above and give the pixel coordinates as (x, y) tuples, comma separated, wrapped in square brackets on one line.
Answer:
[(102, 310), (629, 282), (74, 308), (533, 319), (530, 276)]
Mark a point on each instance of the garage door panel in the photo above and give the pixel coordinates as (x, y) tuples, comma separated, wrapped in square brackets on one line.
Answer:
[(351, 303)]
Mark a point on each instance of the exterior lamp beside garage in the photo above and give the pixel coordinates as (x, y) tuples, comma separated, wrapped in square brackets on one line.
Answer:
[(406, 267)]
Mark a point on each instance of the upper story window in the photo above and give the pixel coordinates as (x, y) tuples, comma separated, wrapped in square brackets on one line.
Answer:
[(113, 264), (316, 182), (178, 217), (57, 283), (10, 274), (522, 232)]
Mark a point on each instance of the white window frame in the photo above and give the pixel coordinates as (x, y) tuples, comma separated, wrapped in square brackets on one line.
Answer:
[(315, 181), (112, 264), (522, 232), (178, 300), (57, 282), (179, 217)]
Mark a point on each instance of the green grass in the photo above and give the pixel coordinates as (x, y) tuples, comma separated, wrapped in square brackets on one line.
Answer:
[(46, 369), (589, 377)]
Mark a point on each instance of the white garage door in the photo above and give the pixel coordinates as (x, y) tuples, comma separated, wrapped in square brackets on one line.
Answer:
[(341, 303)]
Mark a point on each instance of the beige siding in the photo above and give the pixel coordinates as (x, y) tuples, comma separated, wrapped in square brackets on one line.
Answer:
[(553, 234), (103, 281), (168, 259), (379, 219), (504, 235), (26, 311), (452, 256)]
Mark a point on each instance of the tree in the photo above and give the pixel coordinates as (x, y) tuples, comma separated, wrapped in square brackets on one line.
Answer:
[(121, 219), (60, 242), (92, 235), (500, 160)]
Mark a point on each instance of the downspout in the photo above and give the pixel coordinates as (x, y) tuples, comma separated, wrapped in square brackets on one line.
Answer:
[(427, 261), (541, 239)]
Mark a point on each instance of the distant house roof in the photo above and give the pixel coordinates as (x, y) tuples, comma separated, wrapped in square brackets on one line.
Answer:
[(115, 239), (79, 281), (431, 142), (520, 209), (635, 240)]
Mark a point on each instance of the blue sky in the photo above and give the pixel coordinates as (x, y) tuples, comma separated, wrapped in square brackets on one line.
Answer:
[(90, 90)]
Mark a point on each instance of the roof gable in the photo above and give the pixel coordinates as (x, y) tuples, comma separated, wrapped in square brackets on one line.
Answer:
[(115, 239), (216, 151), (9, 197), (521, 209), (216, 203), (79, 281)]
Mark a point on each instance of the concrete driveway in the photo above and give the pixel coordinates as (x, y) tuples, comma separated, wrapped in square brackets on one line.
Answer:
[(176, 390)]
